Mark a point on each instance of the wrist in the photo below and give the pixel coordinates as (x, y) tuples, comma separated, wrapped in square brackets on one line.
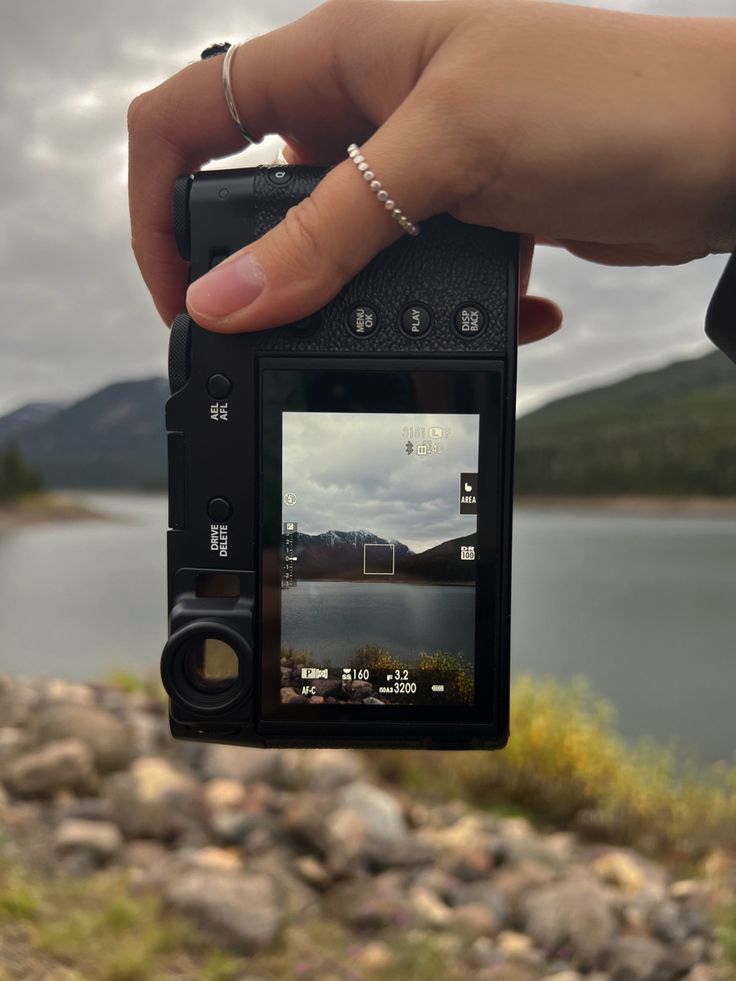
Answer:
[(715, 42)]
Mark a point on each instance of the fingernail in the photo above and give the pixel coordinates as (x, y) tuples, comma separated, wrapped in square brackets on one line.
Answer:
[(228, 287)]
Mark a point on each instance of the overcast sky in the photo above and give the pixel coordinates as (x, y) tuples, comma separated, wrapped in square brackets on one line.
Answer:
[(352, 472), (74, 313)]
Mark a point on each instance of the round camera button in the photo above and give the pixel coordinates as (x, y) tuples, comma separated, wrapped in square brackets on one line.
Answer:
[(416, 320), (219, 509), (470, 320), (219, 386), (363, 320), (279, 175)]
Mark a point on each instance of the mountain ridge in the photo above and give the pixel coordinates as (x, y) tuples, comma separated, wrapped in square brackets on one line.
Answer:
[(340, 556), (669, 431)]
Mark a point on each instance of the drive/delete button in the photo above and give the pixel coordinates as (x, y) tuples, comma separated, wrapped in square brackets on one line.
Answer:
[(219, 510)]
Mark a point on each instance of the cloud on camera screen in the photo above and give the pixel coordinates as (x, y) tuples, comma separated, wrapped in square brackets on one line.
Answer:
[(378, 558)]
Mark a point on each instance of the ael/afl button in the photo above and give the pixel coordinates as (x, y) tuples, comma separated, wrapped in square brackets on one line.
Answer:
[(219, 510), (219, 386)]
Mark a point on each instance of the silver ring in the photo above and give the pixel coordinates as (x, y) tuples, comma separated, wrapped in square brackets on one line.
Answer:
[(229, 54), (377, 187)]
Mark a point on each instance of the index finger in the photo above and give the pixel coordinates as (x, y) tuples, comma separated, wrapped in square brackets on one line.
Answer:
[(289, 81)]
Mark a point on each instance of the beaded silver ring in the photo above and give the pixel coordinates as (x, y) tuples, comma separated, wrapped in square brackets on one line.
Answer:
[(377, 187)]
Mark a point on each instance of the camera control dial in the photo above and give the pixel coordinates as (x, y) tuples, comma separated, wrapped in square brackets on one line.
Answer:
[(180, 345)]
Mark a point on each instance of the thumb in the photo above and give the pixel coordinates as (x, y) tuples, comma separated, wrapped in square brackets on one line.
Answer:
[(326, 239)]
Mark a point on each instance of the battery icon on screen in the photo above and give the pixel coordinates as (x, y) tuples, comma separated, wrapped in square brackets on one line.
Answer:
[(438, 687)]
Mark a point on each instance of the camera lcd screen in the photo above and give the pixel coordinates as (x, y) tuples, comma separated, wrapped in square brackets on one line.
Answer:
[(378, 557), (372, 502)]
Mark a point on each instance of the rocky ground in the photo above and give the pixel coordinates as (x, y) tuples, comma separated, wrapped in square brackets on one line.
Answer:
[(251, 844)]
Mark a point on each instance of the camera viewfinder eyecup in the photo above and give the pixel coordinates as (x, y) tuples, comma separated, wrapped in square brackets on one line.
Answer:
[(207, 667)]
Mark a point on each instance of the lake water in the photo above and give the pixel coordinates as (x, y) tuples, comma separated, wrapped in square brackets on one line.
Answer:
[(334, 619), (643, 606)]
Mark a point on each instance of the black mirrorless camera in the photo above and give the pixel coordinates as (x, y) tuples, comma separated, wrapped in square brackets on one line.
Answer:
[(340, 492)]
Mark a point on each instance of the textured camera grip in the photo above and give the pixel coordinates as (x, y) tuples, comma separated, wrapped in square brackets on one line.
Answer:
[(474, 261)]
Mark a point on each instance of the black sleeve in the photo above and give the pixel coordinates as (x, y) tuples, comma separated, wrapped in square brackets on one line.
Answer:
[(720, 320)]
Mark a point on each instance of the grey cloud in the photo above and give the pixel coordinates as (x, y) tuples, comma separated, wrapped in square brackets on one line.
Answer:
[(352, 472), (75, 314)]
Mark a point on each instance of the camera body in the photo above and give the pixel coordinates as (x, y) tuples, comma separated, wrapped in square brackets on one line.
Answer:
[(340, 491)]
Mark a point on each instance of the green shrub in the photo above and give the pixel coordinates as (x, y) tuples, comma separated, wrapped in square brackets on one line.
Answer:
[(565, 765), (17, 476)]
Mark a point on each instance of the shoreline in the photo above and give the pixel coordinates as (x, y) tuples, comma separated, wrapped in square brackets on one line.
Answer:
[(57, 507), (44, 508), (631, 504)]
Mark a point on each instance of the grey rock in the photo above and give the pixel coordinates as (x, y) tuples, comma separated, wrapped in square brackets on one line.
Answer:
[(63, 765), (573, 912), (639, 959), (149, 732), (358, 690), (474, 920), (16, 701), (372, 903), (483, 894), (514, 881), (482, 952), (101, 840), (704, 972), (243, 910), (427, 908), (564, 975), (290, 695), (327, 686), (366, 829), (324, 769), (312, 872), (520, 848), (688, 954), (154, 800), (298, 901), (13, 741), (463, 848), (231, 827), (337, 834), (371, 700), (86, 808), (668, 924), (243, 763), (108, 739), (507, 971), (62, 690), (638, 880), (380, 812)]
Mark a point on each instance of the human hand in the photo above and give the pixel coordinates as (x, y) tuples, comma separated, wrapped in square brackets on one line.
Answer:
[(610, 134)]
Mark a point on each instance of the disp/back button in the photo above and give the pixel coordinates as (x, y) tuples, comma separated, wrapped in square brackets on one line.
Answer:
[(470, 320)]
